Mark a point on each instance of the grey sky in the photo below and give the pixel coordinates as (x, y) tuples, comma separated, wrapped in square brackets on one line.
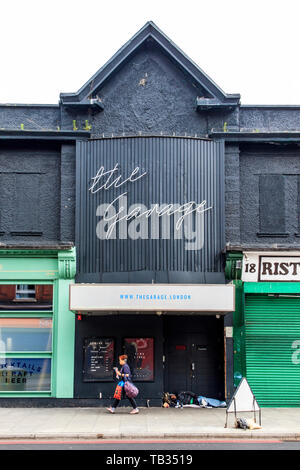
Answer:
[(246, 47)]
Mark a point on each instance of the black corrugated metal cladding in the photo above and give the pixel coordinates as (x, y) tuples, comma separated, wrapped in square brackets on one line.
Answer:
[(175, 171)]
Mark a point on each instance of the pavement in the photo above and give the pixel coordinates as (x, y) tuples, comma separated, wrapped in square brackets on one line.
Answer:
[(150, 423)]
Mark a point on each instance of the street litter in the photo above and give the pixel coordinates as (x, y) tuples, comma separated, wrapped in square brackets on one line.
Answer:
[(246, 423)]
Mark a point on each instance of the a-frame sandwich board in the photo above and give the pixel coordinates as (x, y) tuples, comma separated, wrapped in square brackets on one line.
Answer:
[(243, 400)]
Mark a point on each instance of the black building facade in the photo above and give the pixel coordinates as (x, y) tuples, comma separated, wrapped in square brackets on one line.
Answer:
[(162, 184)]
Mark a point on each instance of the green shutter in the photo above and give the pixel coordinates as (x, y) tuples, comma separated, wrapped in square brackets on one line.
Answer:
[(272, 329)]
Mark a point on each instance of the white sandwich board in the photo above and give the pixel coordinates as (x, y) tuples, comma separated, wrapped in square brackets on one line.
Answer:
[(243, 400)]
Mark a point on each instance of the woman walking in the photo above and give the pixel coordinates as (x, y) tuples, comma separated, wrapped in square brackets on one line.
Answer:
[(125, 375)]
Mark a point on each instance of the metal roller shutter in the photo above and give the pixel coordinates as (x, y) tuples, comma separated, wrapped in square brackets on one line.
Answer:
[(272, 329)]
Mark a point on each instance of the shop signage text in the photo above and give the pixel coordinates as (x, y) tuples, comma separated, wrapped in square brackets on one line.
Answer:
[(155, 297), (260, 268)]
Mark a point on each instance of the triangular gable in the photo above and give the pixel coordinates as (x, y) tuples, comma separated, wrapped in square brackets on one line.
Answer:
[(213, 97), (243, 399)]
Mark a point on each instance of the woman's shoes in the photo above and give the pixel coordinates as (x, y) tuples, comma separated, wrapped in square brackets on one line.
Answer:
[(110, 409), (132, 412)]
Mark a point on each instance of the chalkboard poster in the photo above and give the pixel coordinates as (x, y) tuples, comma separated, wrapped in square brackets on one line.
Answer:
[(98, 359), (140, 352)]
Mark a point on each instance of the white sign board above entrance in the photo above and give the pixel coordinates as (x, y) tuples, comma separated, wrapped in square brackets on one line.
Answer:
[(152, 297), (258, 267)]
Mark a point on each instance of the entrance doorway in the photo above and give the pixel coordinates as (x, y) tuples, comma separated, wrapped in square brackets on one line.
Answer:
[(194, 355)]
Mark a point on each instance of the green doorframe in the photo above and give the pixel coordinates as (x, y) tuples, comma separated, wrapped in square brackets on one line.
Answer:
[(47, 266), (233, 270)]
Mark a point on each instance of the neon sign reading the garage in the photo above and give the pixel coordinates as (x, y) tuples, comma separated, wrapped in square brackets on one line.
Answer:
[(137, 221)]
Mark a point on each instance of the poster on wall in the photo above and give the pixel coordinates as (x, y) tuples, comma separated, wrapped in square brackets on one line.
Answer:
[(98, 359), (140, 352)]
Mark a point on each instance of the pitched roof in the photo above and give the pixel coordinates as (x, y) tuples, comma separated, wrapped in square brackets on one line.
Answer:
[(213, 97)]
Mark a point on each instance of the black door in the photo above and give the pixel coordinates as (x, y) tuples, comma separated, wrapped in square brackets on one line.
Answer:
[(194, 355)]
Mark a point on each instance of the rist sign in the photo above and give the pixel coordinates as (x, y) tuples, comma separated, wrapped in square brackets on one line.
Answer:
[(270, 268)]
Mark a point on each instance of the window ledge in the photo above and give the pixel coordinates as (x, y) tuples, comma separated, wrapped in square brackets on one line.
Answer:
[(272, 235)]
